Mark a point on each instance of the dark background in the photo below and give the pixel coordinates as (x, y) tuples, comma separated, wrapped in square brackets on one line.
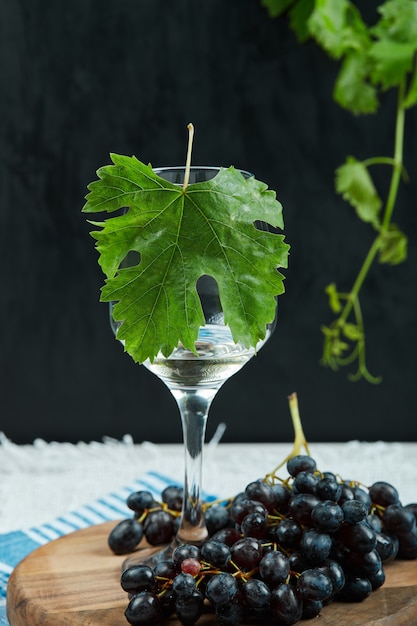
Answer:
[(84, 78)]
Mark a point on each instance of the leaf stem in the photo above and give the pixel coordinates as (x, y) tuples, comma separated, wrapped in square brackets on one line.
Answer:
[(360, 278), (189, 152), (398, 157)]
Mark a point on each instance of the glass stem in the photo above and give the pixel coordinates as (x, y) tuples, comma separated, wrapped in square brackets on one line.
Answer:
[(194, 407)]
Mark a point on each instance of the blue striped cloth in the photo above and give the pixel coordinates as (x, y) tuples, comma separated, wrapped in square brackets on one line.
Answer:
[(14, 546)]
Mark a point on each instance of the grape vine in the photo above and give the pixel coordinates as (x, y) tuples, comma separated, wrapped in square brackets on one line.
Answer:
[(373, 59)]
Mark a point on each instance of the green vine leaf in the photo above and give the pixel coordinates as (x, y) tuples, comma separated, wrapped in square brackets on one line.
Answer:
[(181, 234), (327, 25), (355, 185), (393, 246), (299, 16), (393, 60), (398, 21), (352, 89)]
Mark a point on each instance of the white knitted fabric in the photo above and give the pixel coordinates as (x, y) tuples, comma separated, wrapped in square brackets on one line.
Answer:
[(45, 480)]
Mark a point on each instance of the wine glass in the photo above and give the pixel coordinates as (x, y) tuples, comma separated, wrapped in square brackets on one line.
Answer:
[(194, 380)]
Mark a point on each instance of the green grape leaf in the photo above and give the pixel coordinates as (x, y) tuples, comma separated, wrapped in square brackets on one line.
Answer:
[(355, 185), (181, 235), (393, 246), (352, 91), (398, 21), (276, 8), (299, 16), (327, 25), (392, 61)]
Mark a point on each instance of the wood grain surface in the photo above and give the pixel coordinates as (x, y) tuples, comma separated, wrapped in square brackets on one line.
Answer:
[(75, 581)]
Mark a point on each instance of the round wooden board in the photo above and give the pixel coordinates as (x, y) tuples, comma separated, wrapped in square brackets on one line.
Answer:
[(75, 581)]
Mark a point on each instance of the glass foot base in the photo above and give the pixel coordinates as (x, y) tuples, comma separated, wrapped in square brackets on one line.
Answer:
[(152, 555)]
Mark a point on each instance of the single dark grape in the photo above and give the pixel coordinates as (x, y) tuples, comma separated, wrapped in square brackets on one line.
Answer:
[(185, 551), (274, 568), (221, 588), (383, 493), (139, 501), (246, 552), (313, 584), (125, 536), (297, 562), (328, 489), (256, 593), (254, 525), (158, 527), (300, 506), (354, 511), (356, 589), (215, 553), (301, 463), (188, 608), (243, 507), (165, 569), (358, 537), (315, 546), (260, 491), (287, 533), (216, 517), (311, 608), (143, 608), (183, 584), (327, 516), (286, 606), (138, 578), (305, 482), (364, 564), (173, 496), (398, 519)]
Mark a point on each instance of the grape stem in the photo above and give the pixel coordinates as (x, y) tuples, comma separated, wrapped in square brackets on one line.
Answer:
[(300, 440), (189, 152)]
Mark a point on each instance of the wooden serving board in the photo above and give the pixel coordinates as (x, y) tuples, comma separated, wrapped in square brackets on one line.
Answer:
[(75, 581)]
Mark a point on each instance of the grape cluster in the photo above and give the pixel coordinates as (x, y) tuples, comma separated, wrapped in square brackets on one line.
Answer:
[(277, 552), (156, 521)]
